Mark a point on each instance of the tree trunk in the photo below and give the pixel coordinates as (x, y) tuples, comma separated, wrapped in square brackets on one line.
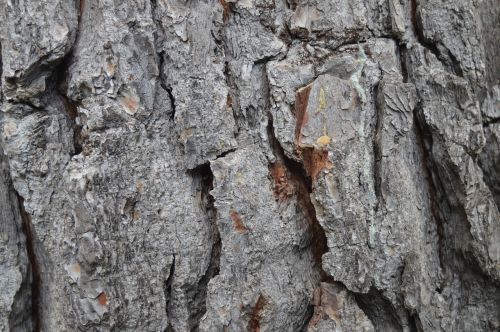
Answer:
[(252, 165)]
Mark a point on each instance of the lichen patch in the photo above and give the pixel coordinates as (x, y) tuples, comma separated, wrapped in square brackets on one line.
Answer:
[(9, 129), (139, 185), (324, 140), (321, 101)]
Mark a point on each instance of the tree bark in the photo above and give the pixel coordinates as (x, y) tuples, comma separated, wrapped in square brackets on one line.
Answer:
[(253, 165)]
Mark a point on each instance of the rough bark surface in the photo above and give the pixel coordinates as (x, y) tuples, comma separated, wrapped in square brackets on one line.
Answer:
[(250, 165)]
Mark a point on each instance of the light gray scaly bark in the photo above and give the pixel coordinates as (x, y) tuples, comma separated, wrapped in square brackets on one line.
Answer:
[(249, 165)]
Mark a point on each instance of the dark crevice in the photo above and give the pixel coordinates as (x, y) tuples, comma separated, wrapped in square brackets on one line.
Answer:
[(415, 324), (232, 102), (291, 4), (225, 153), (204, 178), (164, 85), (36, 280), (379, 310), (455, 64), (307, 318), (154, 4), (403, 53), (231, 99), (490, 121), (377, 148), (168, 295), (172, 101), (265, 59)]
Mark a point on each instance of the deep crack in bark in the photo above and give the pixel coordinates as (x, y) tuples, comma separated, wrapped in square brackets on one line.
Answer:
[(164, 85), (198, 307), (36, 280), (377, 148), (168, 294)]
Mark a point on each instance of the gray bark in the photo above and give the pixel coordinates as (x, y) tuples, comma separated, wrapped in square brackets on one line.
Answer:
[(252, 165)]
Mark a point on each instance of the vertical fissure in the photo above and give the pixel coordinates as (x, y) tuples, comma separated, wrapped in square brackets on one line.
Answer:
[(402, 54), (36, 280), (198, 307), (164, 85), (172, 101), (168, 295), (377, 148)]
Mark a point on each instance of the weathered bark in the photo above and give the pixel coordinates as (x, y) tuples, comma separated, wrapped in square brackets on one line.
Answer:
[(255, 165)]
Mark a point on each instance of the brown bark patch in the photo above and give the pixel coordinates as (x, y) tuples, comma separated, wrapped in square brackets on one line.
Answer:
[(139, 185), (226, 10), (256, 314), (314, 161), (282, 187), (81, 8), (136, 215), (328, 302), (301, 100), (238, 222), (130, 103), (102, 299)]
